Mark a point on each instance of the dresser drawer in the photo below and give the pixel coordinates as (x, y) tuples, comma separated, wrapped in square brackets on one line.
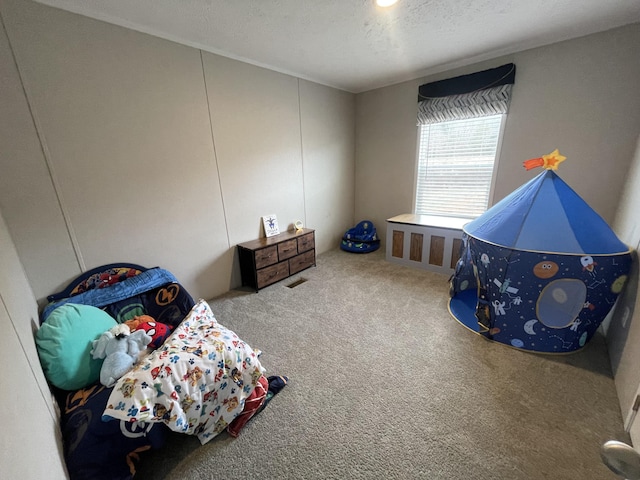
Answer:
[(266, 256), (302, 261), (287, 249), (306, 242), (272, 274)]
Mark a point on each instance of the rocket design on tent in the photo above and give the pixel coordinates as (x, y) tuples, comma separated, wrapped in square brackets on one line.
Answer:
[(540, 270)]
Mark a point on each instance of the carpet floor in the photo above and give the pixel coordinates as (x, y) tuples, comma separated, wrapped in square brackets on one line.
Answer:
[(384, 383)]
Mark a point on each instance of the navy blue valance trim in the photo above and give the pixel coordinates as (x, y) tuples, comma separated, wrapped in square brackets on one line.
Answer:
[(494, 77)]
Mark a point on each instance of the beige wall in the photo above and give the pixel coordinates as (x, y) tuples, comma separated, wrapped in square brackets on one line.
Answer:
[(30, 444), (623, 334), (256, 124), (126, 147), (579, 96), (328, 143), (28, 199)]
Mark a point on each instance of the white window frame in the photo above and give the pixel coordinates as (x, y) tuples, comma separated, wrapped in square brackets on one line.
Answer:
[(493, 173)]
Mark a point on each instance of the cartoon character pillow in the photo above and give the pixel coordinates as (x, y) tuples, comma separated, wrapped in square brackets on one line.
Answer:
[(158, 331)]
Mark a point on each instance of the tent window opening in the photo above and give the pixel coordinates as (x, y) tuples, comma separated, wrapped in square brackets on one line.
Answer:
[(456, 161), (460, 122)]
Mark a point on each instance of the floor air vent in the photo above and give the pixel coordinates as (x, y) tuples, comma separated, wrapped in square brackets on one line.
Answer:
[(297, 282)]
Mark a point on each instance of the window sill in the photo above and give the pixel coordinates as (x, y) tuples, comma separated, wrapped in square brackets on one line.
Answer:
[(430, 221)]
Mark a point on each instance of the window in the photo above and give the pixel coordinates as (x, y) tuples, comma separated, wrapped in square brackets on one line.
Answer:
[(456, 162), (461, 122)]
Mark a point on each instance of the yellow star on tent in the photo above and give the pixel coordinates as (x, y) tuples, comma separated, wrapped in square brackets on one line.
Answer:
[(552, 160)]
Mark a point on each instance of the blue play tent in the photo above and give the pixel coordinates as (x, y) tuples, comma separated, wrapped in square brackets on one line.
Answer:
[(540, 270)]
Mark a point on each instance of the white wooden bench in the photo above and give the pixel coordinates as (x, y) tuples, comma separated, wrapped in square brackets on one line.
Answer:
[(425, 241)]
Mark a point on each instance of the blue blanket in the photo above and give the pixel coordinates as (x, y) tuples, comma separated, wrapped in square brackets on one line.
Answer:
[(102, 297)]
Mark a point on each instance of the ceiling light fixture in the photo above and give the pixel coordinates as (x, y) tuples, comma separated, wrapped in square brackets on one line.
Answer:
[(385, 3)]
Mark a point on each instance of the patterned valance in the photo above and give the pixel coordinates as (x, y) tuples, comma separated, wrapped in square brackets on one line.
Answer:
[(467, 96)]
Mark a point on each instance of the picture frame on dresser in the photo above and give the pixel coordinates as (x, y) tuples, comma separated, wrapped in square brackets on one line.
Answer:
[(270, 223)]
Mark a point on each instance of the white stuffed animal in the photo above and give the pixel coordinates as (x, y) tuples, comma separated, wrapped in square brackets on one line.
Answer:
[(120, 348)]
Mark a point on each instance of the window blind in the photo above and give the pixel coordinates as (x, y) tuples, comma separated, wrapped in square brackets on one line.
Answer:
[(455, 166)]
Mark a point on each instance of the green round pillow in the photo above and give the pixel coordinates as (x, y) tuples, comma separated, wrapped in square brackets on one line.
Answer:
[(64, 343)]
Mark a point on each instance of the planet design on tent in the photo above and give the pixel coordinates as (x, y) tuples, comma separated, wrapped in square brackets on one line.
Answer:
[(618, 284), (545, 269), (540, 270)]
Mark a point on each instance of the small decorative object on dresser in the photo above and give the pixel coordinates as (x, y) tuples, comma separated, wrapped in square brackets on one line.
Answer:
[(269, 260)]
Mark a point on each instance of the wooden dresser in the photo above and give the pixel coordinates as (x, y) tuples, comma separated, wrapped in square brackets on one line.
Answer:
[(268, 260)]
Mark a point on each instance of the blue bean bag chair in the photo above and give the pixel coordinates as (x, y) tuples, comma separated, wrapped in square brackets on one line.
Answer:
[(362, 238)]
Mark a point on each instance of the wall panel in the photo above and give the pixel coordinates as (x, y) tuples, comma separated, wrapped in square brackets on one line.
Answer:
[(30, 419), (623, 332), (327, 119), (28, 199), (256, 130)]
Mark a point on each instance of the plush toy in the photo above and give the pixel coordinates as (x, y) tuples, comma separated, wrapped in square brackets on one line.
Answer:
[(138, 320), (156, 330), (120, 350)]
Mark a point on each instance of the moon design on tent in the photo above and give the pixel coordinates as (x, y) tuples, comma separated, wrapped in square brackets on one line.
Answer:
[(528, 326)]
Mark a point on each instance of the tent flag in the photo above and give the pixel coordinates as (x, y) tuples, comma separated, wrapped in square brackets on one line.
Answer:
[(540, 270)]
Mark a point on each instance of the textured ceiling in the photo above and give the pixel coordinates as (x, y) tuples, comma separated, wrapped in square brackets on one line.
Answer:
[(355, 45)]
